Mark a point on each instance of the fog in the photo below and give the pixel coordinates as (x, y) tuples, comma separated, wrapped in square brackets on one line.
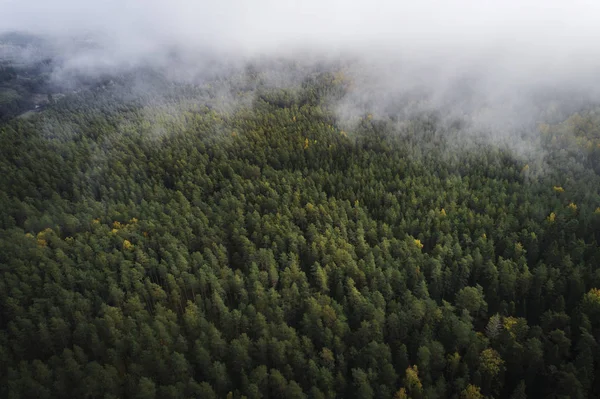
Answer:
[(536, 31), (498, 65)]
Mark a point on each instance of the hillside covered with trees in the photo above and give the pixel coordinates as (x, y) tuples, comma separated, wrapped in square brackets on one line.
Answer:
[(187, 249)]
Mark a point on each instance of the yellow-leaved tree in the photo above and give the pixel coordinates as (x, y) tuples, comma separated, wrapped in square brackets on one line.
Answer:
[(471, 392), (413, 383), (491, 362)]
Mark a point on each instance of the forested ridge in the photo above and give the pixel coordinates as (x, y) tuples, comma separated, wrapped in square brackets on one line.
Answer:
[(190, 250)]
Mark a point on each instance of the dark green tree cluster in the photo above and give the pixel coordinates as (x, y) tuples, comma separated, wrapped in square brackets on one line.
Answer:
[(263, 252), (22, 87)]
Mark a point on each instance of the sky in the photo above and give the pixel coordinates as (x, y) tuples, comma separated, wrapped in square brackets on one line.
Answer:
[(436, 27)]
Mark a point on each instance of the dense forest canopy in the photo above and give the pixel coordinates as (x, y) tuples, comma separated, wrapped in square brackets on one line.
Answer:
[(241, 236)]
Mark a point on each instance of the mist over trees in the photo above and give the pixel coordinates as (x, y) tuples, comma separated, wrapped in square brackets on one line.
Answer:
[(394, 203), (232, 240)]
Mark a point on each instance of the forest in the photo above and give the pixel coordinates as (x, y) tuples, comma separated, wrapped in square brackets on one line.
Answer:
[(190, 248)]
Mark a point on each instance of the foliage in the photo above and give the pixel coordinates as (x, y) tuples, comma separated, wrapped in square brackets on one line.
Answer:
[(148, 251)]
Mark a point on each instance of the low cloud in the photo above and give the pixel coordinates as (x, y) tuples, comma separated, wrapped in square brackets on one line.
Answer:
[(497, 65)]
